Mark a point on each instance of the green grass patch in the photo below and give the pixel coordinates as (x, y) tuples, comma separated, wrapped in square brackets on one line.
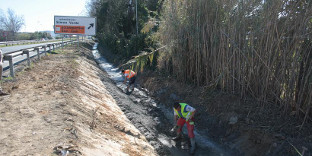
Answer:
[(6, 79)]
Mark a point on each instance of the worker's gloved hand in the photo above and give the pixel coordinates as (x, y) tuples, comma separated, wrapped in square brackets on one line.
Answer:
[(190, 121)]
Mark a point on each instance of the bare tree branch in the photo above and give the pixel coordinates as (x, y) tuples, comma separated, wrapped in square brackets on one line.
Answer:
[(11, 21)]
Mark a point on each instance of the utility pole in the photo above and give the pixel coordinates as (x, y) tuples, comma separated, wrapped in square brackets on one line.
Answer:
[(136, 16)]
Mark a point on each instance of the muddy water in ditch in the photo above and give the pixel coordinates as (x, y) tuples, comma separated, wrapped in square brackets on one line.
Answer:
[(153, 119)]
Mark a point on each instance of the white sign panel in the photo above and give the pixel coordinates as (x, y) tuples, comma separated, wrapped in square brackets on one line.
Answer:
[(74, 25)]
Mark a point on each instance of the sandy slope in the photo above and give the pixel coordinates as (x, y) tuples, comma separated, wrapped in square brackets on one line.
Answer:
[(61, 105)]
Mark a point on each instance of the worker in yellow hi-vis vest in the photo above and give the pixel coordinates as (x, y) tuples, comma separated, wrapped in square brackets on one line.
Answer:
[(184, 113), (129, 75)]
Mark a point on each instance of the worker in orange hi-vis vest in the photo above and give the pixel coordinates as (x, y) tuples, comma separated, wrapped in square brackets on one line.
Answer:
[(129, 75)]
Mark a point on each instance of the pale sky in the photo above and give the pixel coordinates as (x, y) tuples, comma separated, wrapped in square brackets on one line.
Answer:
[(39, 14)]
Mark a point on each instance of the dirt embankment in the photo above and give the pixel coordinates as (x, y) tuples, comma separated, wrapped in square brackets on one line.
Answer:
[(60, 105)]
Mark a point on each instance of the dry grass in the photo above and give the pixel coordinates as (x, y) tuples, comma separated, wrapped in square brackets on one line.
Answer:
[(250, 48)]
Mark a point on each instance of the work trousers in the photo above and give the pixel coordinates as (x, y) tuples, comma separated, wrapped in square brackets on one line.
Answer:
[(190, 127)]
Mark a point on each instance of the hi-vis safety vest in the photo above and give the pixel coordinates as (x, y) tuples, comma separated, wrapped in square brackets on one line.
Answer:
[(183, 113), (129, 74)]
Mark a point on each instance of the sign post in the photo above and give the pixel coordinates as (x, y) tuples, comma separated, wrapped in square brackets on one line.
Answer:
[(62, 42), (74, 25), (78, 40)]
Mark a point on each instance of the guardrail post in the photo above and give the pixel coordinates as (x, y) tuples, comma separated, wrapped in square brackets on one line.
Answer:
[(45, 49), (53, 47), (28, 58), (49, 45), (38, 53), (10, 59), (78, 40)]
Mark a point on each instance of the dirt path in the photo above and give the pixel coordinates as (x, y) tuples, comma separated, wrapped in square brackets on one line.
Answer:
[(60, 106)]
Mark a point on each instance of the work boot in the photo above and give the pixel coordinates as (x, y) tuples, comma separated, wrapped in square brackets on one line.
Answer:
[(178, 137), (192, 146)]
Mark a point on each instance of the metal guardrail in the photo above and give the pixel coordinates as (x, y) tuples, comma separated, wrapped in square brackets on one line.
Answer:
[(10, 55), (22, 42)]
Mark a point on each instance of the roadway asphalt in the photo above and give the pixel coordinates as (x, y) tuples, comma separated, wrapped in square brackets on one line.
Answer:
[(19, 47)]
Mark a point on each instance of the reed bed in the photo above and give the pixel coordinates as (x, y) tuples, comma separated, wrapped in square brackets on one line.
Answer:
[(252, 48)]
